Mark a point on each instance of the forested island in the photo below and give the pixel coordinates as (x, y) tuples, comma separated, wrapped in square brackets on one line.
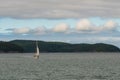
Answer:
[(29, 46)]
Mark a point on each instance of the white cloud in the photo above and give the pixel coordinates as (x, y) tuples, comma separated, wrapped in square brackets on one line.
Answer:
[(63, 27), (23, 30), (110, 25), (27, 30), (59, 8), (85, 25)]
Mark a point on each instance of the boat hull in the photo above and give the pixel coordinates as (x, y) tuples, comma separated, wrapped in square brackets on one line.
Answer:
[(36, 56)]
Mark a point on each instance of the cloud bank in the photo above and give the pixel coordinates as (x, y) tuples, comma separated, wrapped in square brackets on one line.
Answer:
[(59, 8), (82, 26), (86, 26)]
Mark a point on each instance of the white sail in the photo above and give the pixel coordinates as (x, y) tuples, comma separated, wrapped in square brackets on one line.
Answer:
[(36, 56), (37, 50)]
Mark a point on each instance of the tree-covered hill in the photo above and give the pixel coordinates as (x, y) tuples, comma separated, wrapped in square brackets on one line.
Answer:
[(10, 47), (30, 46)]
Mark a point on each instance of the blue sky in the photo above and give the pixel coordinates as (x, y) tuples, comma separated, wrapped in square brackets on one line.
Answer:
[(73, 21)]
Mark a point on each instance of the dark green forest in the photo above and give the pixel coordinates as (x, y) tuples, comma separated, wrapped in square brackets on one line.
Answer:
[(28, 46), (10, 47)]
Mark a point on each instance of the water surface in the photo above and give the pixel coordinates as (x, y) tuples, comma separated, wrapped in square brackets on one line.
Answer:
[(60, 66)]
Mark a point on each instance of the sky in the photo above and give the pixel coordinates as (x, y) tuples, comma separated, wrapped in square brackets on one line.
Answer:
[(72, 21)]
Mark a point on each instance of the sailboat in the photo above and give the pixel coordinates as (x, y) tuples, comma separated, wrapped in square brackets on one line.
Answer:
[(36, 55)]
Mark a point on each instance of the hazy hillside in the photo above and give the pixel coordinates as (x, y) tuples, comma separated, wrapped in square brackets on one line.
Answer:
[(29, 46)]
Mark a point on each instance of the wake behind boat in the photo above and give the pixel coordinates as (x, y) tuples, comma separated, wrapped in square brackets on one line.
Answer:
[(36, 55)]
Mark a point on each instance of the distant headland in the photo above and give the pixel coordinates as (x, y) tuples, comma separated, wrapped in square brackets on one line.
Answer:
[(28, 46)]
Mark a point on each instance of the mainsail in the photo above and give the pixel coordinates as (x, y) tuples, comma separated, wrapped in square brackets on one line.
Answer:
[(37, 50), (36, 56)]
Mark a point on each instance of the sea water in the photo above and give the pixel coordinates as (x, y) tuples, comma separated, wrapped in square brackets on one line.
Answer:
[(60, 66)]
